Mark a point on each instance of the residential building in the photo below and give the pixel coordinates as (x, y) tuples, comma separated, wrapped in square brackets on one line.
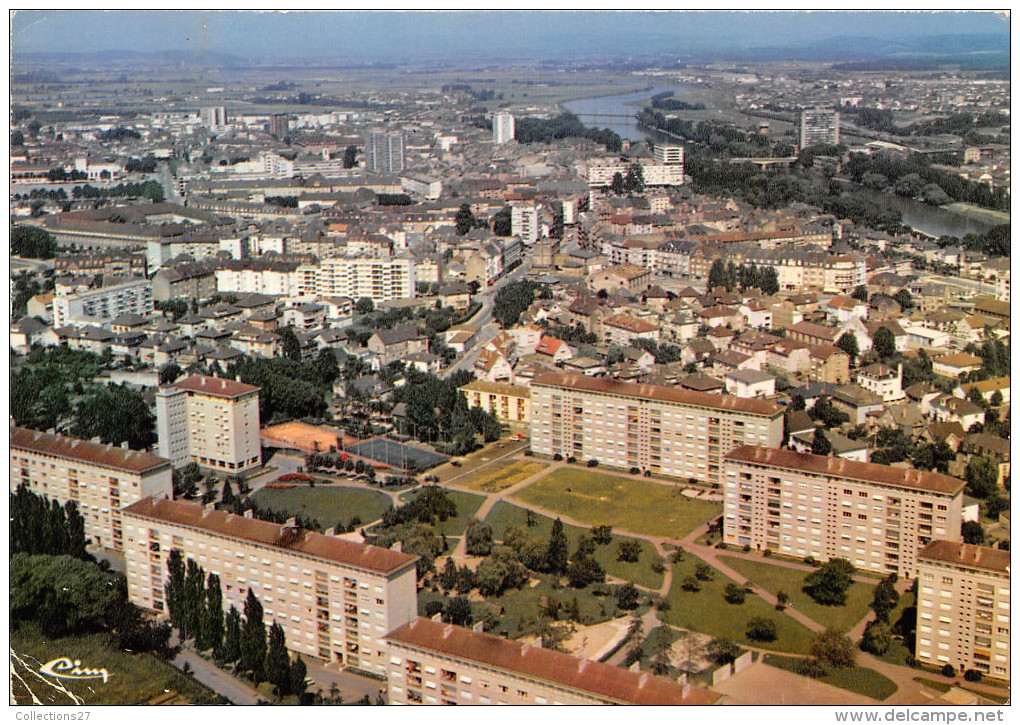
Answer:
[(955, 364), (799, 504), (668, 154), (213, 117), (819, 126), (524, 222), (628, 276), (666, 430), (502, 127), (600, 172), (102, 304), (99, 479), (963, 608), (384, 152), (380, 280), (883, 381), (279, 124), (433, 663), (750, 383), (510, 403), (335, 599), (213, 422), (397, 343)]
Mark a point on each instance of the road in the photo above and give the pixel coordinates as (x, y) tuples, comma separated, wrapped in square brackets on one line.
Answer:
[(967, 284), (220, 682)]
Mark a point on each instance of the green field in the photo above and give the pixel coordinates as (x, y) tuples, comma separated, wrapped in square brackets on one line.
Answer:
[(862, 680), (135, 679), (639, 572), (773, 578), (708, 612), (467, 504), (634, 505), (326, 504), (493, 479)]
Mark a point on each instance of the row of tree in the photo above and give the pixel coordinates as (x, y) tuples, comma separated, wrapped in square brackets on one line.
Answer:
[(566, 125), (743, 277)]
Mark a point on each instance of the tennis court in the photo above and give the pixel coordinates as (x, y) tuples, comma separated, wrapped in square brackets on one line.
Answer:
[(397, 455)]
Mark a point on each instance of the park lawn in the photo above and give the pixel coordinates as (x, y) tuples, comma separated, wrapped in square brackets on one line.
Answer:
[(862, 680), (467, 505), (639, 572), (773, 578), (326, 504), (493, 479), (135, 679), (707, 611), (640, 506)]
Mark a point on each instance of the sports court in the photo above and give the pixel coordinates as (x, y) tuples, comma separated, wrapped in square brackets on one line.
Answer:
[(304, 437), (396, 455)]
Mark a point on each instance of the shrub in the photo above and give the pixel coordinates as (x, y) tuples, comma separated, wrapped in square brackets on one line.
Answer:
[(809, 560), (634, 470), (433, 607), (658, 567), (972, 675), (948, 671), (760, 629), (812, 668), (592, 462), (557, 457), (722, 546), (767, 553), (571, 459), (734, 593), (747, 548), (691, 584)]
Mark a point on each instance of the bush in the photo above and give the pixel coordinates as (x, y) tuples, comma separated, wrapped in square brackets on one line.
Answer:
[(571, 459), (747, 548), (972, 675), (658, 567), (592, 463), (760, 629), (634, 470), (812, 668), (809, 560), (948, 671), (433, 607), (734, 593), (557, 457), (691, 584), (767, 553)]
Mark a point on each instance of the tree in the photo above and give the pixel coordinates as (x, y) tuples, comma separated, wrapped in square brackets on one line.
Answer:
[(231, 651), (478, 538), (860, 293), (502, 225), (629, 551), (169, 373), (723, 651), (350, 156), (718, 275), (584, 570), (185, 481), (500, 571), (829, 583), (834, 648), (885, 598), (761, 629), (734, 593), (602, 534), (634, 181), (193, 611), (973, 533), (617, 184), (32, 242), (982, 476), (253, 640), (212, 622), (691, 584), (884, 343), (174, 588), (820, 445), (291, 344), (298, 677), (448, 576), (782, 599), (558, 553), (277, 661), (364, 305), (115, 414), (877, 638), (627, 597), (703, 572), (458, 611), (904, 299), (848, 344)]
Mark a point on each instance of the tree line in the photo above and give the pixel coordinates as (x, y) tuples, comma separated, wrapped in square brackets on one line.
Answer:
[(566, 125)]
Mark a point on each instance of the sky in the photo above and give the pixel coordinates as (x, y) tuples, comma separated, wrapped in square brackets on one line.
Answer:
[(408, 36)]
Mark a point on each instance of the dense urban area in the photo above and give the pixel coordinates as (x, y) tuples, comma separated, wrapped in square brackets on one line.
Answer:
[(643, 383)]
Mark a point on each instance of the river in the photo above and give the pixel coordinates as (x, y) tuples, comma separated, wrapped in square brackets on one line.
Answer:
[(591, 111), (933, 221)]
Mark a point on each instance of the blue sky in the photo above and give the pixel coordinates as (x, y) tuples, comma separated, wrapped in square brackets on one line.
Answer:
[(420, 35)]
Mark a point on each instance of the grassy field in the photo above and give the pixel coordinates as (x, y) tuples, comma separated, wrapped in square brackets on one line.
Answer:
[(325, 504), (639, 572), (708, 612), (772, 578), (135, 679), (467, 505), (496, 478), (639, 506), (862, 680)]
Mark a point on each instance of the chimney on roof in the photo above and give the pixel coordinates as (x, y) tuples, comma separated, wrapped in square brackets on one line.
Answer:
[(397, 547), (125, 446), (331, 531), (478, 626), (643, 681), (97, 439), (209, 508), (249, 514), (437, 617), (448, 631)]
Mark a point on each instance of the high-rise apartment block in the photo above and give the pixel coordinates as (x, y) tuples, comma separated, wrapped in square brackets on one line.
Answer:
[(433, 663), (502, 127), (384, 152), (279, 124), (213, 422), (524, 222), (665, 430), (668, 154), (213, 117), (356, 277), (99, 479), (963, 608), (100, 305), (335, 599), (819, 126), (799, 504), (600, 172)]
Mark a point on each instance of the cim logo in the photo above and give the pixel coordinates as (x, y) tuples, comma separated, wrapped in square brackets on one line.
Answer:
[(68, 669)]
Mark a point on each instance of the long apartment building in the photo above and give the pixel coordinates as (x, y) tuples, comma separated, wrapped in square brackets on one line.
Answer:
[(963, 608), (101, 305), (100, 479), (213, 422), (432, 663), (357, 277), (600, 172), (878, 517), (335, 599), (665, 430)]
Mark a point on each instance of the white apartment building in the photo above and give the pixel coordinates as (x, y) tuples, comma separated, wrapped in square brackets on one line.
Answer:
[(211, 421), (422, 186), (799, 504), (268, 278), (600, 172), (502, 127), (666, 430), (963, 608), (335, 599), (524, 222), (357, 277), (100, 479), (100, 306), (668, 154), (384, 152), (883, 381), (432, 663), (819, 126), (213, 117)]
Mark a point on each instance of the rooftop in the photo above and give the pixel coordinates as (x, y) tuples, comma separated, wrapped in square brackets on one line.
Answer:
[(216, 387), (979, 557), (74, 449)]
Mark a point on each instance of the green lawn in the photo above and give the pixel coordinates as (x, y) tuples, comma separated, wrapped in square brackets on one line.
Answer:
[(772, 578), (326, 504), (639, 572), (496, 478), (467, 505), (862, 680), (708, 612), (135, 679), (639, 506)]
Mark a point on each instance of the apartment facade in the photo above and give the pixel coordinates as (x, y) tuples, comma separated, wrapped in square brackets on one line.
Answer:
[(100, 479), (665, 430), (385, 152), (335, 599), (211, 421), (524, 222), (600, 172), (963, 608), (433, 663), (502, 127), (99, 306), (510, 403), (819, 126), (357, 277), (799, 504)]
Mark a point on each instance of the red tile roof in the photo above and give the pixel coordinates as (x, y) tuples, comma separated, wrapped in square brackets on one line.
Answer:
[(844, 468), (594, 678), (328, 548), (74, 449), (216, 387), (659, 392), (955, 552)]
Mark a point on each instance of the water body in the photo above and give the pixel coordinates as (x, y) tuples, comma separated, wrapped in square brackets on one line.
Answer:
[(931, 220), (589, 111)]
